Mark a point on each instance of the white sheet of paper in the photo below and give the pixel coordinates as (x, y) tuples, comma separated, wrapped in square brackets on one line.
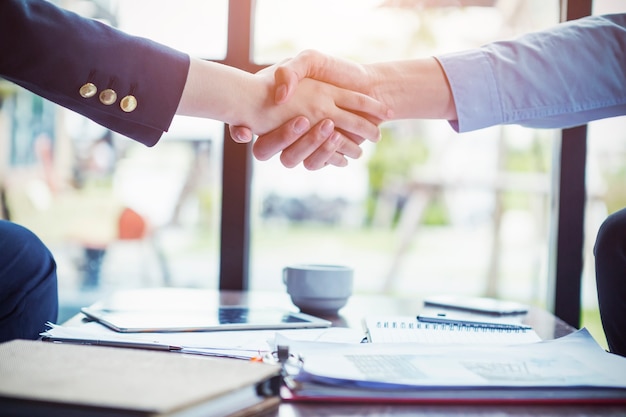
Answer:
[(572, 360), (239, 343)]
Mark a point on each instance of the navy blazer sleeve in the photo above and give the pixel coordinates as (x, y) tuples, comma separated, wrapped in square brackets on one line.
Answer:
[(53, 53)]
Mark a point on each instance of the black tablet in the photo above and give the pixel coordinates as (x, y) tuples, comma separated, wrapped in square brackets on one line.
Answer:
[(221, 318)]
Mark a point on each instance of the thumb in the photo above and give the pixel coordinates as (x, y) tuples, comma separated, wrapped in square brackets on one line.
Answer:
[(287, 78), (307, 64), (313, 64)]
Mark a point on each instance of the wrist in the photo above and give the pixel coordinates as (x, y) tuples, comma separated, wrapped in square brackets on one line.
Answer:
[(413, 89), (223, 93)]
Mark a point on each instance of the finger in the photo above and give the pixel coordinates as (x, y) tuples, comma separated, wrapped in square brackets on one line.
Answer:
[(338, 160), (301, 149), (289, 73), (348, 146), (362, 117), (326, 153), (374, 110), (240, 134), (354, 138), (269, 144), (357, 125), (286, 78)]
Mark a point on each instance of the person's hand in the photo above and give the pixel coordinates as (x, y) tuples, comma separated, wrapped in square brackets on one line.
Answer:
[(239, 98), (315, 146), (287, 75), (297, 142), (333, 70)]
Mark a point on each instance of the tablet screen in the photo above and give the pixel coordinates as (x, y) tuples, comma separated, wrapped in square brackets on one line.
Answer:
[(221, 318)]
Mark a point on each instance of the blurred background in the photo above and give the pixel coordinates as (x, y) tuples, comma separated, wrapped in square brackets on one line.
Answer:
[(425, 211)]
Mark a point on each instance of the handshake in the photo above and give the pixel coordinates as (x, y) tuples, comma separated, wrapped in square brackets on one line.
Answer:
[(315, 109), (335, 118)]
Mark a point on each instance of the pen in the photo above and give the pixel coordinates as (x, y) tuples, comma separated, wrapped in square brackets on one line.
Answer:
[(441, 319), (117, 343)]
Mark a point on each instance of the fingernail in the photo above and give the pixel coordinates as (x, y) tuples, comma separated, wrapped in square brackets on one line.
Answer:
[(327, 127), (301, 125), (335, 138), (240, 138)]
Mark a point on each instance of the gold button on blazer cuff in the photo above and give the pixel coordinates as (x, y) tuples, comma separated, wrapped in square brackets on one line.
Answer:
[(128, 103), (108, 97), (88, 90)]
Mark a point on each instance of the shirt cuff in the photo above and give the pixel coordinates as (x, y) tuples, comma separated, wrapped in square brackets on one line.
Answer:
[(474, 90)]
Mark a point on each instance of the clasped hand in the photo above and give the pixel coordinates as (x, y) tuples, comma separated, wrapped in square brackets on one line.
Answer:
[(331, 122)]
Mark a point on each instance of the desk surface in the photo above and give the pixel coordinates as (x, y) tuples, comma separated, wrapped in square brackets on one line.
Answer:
[(545, 324)]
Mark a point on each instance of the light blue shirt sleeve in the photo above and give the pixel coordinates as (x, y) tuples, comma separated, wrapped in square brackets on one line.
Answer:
[(565, 76)]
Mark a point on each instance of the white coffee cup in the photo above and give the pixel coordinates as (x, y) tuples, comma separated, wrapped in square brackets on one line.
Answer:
[(319, 289)]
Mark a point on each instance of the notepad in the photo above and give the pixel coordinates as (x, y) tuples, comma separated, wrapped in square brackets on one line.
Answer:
[(409, 329)]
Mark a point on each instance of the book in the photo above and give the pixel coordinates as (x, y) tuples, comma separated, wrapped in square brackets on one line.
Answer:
[(571, 370), (406, 329), (58, 379)]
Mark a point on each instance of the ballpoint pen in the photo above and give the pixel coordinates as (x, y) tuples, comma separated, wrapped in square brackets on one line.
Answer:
[(115, 343), (442, 318)]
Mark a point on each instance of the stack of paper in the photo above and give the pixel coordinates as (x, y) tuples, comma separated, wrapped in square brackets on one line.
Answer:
[(570, 369)]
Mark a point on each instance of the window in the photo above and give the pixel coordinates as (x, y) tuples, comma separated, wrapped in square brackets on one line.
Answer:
[(115, 213), (606, 163), (426, 210), (198, 28)]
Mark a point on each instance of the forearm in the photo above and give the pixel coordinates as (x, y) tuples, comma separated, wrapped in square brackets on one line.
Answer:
[(237, 97), (30, 34), (232, 96), (555, 78), (413, 89), (223, 93)]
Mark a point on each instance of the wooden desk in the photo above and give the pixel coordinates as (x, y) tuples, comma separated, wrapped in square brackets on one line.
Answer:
[(546, 325)]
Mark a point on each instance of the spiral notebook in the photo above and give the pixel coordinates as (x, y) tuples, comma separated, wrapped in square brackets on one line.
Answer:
[(409, 329)]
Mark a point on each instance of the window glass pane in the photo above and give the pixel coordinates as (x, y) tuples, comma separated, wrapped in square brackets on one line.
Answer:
[(426, 210), (115, 213), (606, 164), (196, 27), (378, 30)]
